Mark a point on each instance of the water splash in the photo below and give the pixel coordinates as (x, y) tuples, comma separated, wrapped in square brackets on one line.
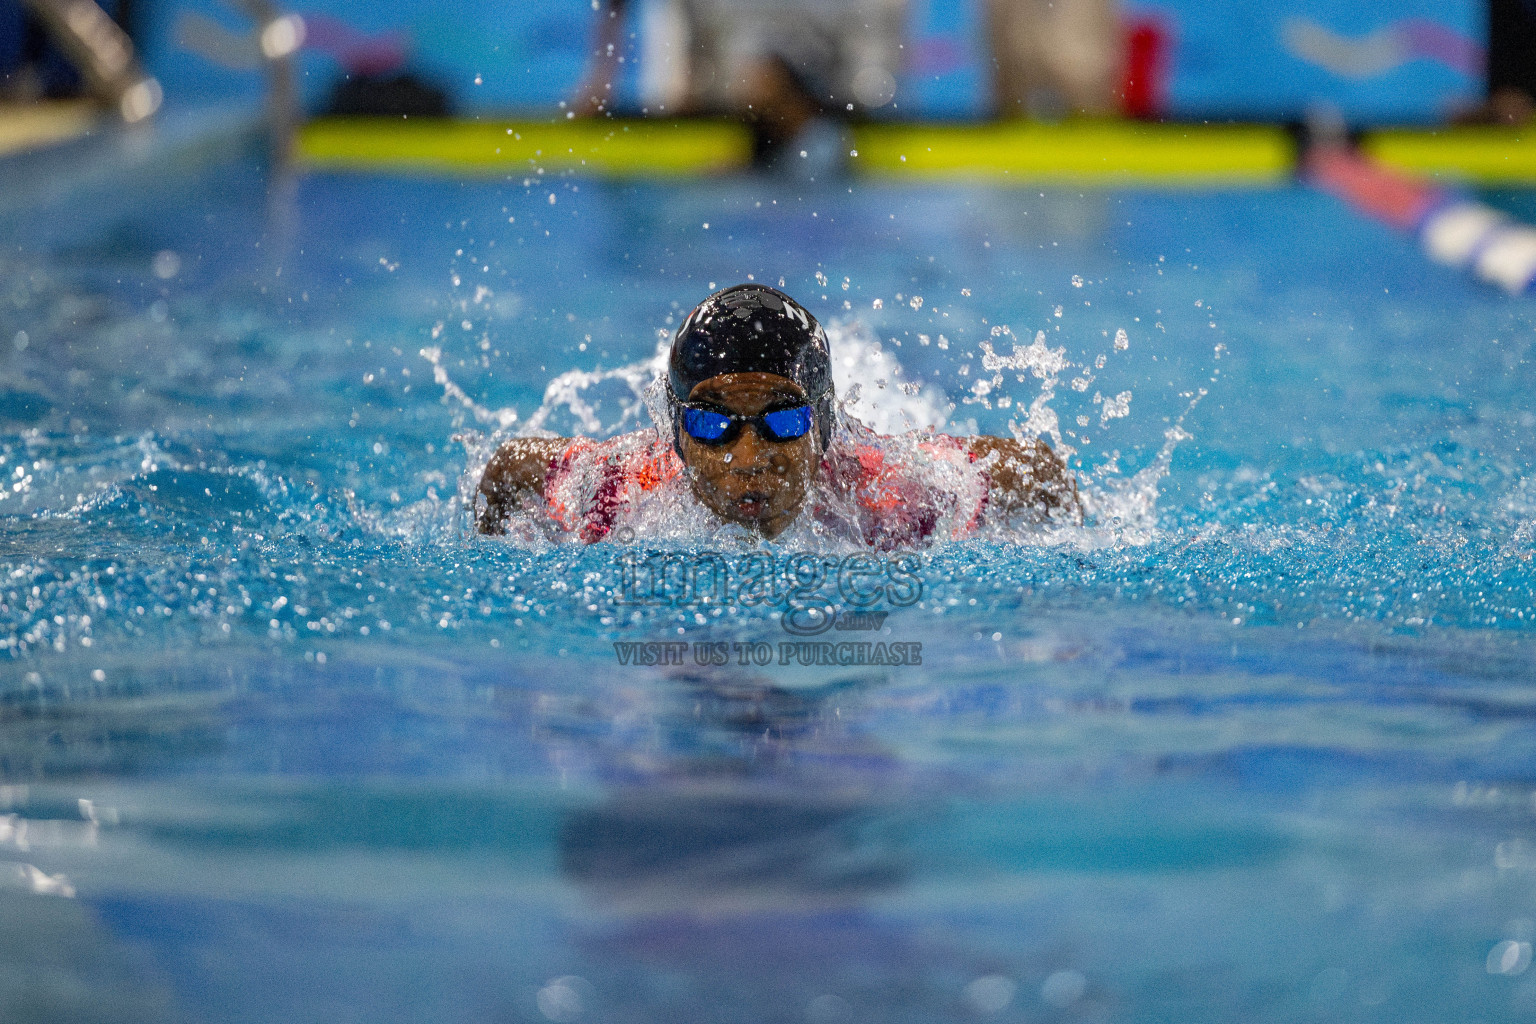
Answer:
[(1046, 365), (881, 405), (572, 401), (502, 419), (875, 387), (568, 396)]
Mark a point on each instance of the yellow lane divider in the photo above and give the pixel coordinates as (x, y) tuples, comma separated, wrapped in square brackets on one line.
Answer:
[(1109, 152), (1084, 152), (1488, 155), (596, 146), (1099, 152), (31, 126)]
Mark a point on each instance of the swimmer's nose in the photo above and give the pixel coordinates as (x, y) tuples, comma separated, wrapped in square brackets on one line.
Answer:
[(748, 450)]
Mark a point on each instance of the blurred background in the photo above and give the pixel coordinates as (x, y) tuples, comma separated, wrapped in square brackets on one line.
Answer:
[(1391, 62)]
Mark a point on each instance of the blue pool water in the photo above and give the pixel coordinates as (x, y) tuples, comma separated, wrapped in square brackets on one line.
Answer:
[(284, 740)]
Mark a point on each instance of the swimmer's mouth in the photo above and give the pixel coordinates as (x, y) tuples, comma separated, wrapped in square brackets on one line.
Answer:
[(753, 501)]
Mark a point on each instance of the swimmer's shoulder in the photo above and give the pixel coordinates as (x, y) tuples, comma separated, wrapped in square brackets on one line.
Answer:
[(522, 462), (525, 467), (517, 470)]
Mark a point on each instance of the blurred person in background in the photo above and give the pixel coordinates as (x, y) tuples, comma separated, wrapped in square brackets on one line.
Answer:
[(1054, 57), (788, 68), (791, 68), (1511, 63)]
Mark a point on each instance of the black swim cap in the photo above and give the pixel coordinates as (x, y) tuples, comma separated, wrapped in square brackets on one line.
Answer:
[(750, 328)]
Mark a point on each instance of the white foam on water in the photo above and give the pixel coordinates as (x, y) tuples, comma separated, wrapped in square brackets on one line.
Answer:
[(1519, 513), (875, 388), (1123, 509)]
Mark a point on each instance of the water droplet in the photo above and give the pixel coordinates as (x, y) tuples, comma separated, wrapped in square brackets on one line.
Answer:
[(1509, 957), (1064, 988), (565, 999), (1077, 280), (990, 994)]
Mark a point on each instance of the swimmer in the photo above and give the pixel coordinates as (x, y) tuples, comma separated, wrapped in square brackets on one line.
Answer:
[(749, 390)]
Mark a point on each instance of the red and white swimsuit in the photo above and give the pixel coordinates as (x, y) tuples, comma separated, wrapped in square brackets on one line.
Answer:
[(592, 485)]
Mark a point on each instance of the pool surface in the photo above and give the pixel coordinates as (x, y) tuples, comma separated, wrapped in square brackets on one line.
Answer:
[(285, 740)]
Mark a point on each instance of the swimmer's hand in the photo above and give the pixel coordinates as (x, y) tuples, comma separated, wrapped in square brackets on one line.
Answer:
[(1026, 477), (515, 474)]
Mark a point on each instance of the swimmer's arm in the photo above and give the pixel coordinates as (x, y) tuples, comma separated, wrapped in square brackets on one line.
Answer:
[(1026, 476), (516, 472)]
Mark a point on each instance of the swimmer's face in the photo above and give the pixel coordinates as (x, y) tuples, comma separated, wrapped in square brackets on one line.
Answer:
[(751, 480)]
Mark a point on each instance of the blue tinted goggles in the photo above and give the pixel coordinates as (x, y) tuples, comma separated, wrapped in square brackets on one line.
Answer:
[(708, 426)]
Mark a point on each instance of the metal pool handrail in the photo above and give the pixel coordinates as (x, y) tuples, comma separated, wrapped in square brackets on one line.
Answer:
[(103, 53)]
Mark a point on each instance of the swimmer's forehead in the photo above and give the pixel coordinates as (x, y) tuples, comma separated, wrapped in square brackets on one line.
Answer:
[(747, 392)]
